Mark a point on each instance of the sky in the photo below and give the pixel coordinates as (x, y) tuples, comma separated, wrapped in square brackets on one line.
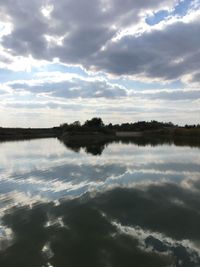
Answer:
[(121, 60)]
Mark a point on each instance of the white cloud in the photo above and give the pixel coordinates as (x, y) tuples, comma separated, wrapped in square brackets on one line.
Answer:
[(105, 38)]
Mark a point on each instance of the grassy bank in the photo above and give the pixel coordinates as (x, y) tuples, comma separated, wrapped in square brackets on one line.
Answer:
[(26, 133), (95, 130)]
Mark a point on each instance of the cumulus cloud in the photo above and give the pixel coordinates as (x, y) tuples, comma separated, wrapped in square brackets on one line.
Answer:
[(172, 95), (2, 92), (85, 33), (167, 53), (105, 39), (74, 88), (196, 78), (42, 105)]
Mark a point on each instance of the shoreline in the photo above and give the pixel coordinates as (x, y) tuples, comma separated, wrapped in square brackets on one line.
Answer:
[(14, 134), (9, 134)]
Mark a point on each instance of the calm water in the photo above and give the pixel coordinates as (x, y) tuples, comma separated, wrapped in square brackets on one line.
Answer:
[(110, 205)]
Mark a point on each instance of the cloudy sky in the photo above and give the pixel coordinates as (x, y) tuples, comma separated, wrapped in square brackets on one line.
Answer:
[(122, 60)]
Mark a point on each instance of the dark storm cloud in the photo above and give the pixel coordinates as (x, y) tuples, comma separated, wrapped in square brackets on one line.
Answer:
[(89, 25), (86, 27), (168, 53), (28, 27), (74, 89), (196, 77)]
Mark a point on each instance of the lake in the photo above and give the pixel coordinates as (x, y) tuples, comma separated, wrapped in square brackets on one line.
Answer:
[(118, 204)]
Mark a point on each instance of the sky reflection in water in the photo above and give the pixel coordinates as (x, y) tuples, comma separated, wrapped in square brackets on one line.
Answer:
[(128, 205)]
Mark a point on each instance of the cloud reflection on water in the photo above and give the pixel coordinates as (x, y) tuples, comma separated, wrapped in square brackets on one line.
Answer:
[(131, 205), (156, 224)]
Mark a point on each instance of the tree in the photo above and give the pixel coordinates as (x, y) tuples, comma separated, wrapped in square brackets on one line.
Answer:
[(76, 124), (94, 122)]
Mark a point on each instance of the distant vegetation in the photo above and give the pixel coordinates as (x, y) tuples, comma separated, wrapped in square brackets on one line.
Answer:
[(7, 134), (94, 134), (95, 128), (98, 125)]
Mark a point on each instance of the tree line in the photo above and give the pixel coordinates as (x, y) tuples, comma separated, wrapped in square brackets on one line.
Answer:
[(97, 124)]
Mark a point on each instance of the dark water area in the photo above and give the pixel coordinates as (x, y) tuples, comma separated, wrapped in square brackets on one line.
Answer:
[(131, 203)]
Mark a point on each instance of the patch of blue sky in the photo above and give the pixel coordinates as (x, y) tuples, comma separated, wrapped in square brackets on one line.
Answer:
[(180, 9), (9, 75), (157, 17), (64, 68), (141, 86), (26, 98)]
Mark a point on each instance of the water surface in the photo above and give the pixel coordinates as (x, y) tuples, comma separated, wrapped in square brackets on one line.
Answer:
[(118, 204)]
